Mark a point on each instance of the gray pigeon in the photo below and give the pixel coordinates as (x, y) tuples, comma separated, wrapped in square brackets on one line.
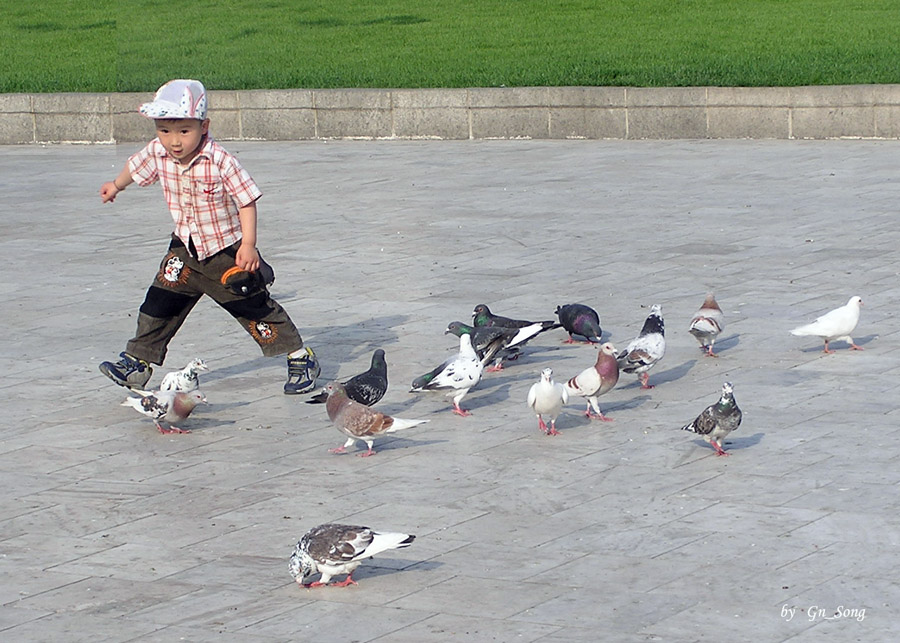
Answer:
[(358, 421), (366, 388), (186, 379), (717, 420), (459, 374), (496, 342), (166, 406), (547, 398), (332, 549), (708, 322), (645, 350), (580, 320)]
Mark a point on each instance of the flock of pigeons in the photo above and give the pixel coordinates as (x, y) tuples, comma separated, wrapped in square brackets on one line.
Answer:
[(333, 549)]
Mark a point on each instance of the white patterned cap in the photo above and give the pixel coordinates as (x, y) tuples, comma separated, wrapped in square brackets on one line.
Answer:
[(178, 99)]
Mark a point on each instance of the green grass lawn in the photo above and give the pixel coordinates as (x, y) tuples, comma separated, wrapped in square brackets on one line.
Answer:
[(136, 45)]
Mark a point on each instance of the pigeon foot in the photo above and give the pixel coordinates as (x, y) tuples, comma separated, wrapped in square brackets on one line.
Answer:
[(553, 431), (316, 584), (340, 449), (171, 429), (461, 412), (601, 417), (366, 454), (494, 369), (854, 347), (347, 581)]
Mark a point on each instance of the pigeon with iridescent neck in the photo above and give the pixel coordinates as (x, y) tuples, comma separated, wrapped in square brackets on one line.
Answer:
[(366, 388), (717, 420), (580, 320)]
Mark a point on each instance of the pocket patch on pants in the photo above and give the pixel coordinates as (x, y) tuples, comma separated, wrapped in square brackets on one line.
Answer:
[(172, 272)]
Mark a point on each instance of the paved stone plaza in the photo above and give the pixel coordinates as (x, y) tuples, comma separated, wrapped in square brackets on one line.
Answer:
[(624, 531)]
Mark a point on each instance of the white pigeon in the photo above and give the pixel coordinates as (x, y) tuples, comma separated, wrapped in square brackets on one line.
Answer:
[(166, 406), (645, 350), (547, 398), (596, 380), (332, 549), (186, 379), (459, 374), (708, 322), (835, 325)]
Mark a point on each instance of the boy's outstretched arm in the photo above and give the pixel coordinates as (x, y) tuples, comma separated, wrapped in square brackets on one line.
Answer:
[(247, 256), (110, 189)]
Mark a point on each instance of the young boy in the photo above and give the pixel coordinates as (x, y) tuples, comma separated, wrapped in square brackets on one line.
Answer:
[(213, 249)]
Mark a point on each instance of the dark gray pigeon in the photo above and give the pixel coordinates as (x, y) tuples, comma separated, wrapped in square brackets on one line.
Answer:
[(717, 420), (496, 342), (580, 320), (366, 388)]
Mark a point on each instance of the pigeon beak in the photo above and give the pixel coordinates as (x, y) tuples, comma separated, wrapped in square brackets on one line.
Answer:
[(203, 400)]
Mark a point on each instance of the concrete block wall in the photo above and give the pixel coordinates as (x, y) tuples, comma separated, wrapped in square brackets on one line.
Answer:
[(855, 111)]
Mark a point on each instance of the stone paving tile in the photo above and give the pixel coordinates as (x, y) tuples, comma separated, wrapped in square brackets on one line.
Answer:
[(626, 531)]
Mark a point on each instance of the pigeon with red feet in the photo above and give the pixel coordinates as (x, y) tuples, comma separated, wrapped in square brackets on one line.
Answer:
[(333, 549), (644, 351), (717, 420), (596, 380), (458, 375)]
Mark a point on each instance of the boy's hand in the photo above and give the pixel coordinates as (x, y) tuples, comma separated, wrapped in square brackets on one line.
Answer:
[(108, 191), (247, 258)]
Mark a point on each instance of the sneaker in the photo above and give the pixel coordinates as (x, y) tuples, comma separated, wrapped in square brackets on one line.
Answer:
[(129, 371), (302, 373)]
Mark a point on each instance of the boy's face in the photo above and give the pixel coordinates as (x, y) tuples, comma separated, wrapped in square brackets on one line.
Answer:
[(181, 137)]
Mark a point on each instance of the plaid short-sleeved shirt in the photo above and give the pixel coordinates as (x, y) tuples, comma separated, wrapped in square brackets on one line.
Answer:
[(204, 197)]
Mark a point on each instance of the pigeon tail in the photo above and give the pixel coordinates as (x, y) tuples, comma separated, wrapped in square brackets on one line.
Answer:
[(400, 424)]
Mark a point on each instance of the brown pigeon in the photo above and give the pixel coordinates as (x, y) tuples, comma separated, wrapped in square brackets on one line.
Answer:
[(166, 406), (596, 380), (707, 323), (358, 421)]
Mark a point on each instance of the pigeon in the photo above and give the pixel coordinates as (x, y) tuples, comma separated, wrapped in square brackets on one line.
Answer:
[(495, 342), (332, 549), (581, 320), (358, 421), (835, 325), (707, 323), (366, 388), (459, 374), (717, 420), (482, 316), (166, 406), (547, 398), (185, 380), (596, 380), (645, 350)]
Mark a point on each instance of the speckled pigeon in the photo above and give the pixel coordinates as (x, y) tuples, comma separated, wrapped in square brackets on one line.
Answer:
[(333, 549), (166, 407), (717, 420), (645, 350), (186, 379), (459, 374)]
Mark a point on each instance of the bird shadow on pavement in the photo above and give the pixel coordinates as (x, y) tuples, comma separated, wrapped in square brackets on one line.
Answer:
[(734, 444), (344, 344), (839, 346), (393, 566), (726, 344), (663, 377)]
